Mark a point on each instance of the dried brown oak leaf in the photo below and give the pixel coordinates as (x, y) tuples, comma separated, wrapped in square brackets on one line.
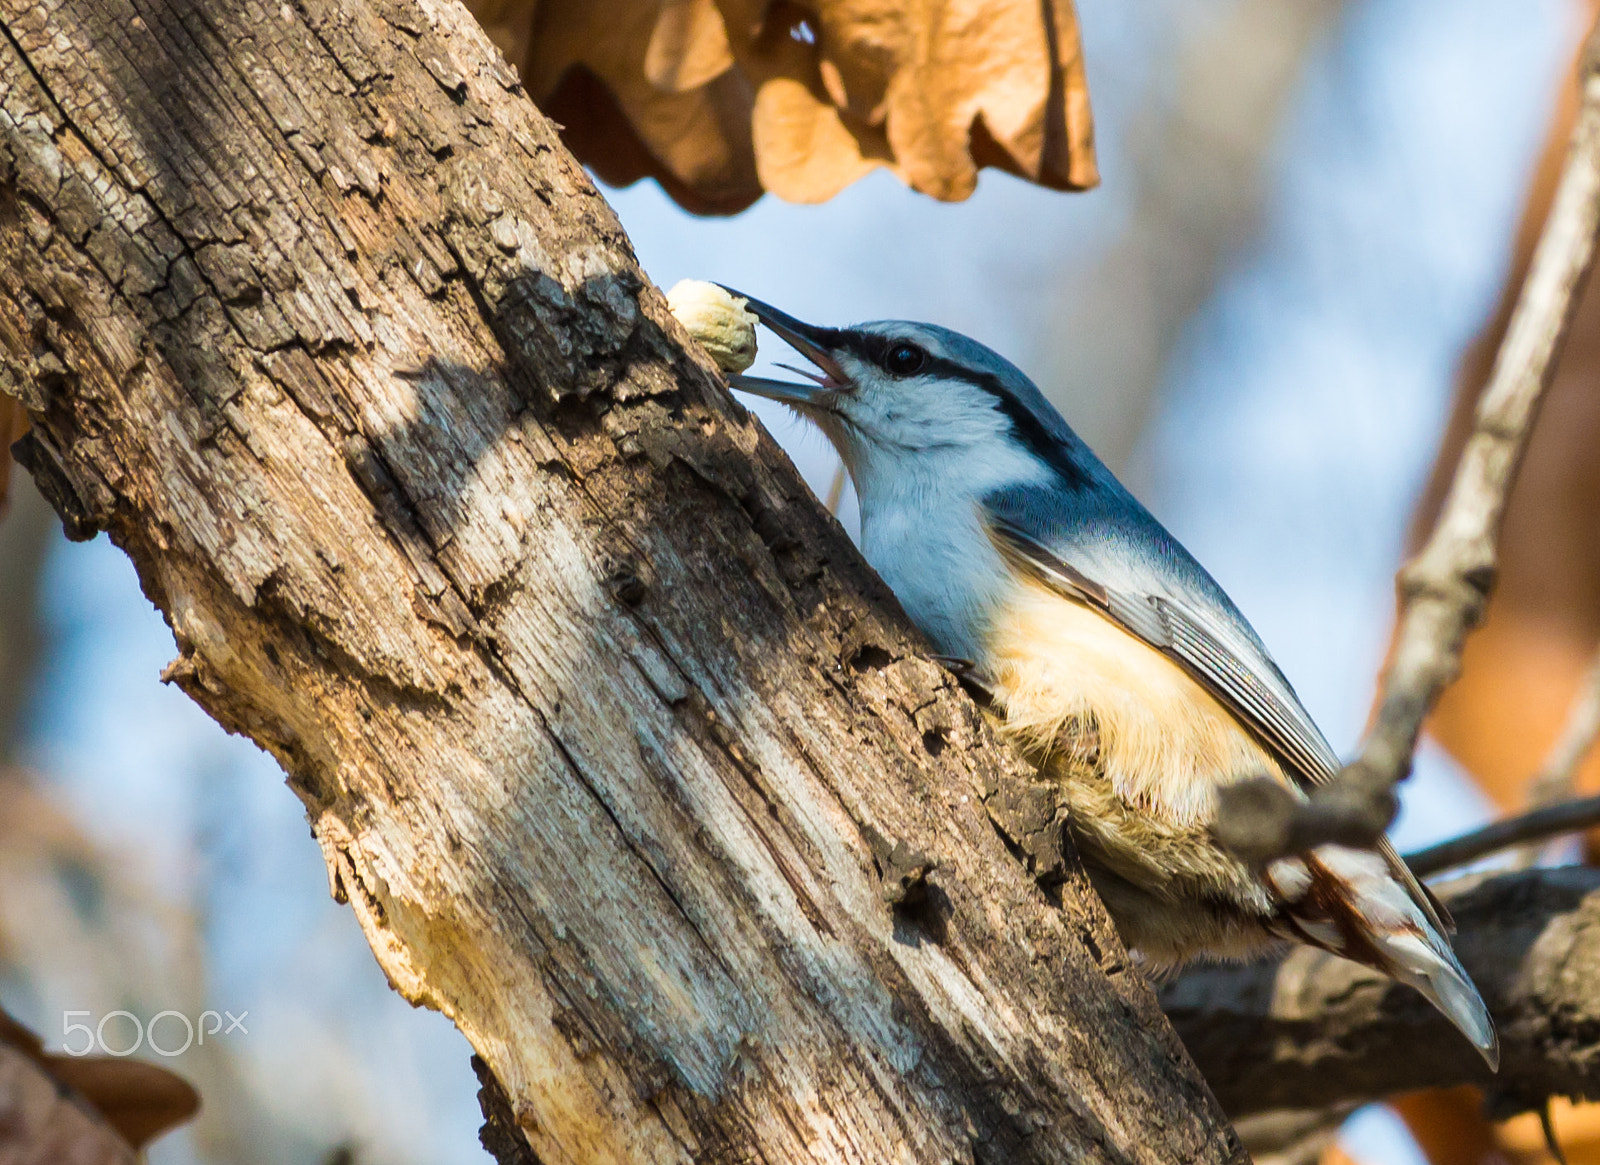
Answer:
[(720, 100), (82, 1108)]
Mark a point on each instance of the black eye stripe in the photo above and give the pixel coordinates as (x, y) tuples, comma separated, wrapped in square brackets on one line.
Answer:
[(865, 346), (1029, 430)]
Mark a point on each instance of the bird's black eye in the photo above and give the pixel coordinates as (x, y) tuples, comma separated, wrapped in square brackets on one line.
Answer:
[(904, 359)]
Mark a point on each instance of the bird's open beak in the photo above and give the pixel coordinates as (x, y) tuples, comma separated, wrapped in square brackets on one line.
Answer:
[(815, 344)]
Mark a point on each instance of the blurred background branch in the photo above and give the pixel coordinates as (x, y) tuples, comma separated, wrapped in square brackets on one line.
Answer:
[(1557, 778), (1533, 827), (1198, 167), (1444, 590), (26, 529)]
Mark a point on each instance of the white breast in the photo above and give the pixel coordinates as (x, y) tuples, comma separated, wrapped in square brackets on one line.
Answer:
[(921, 530)]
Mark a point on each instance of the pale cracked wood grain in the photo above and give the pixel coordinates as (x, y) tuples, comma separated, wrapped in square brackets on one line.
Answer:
[(596, 714)]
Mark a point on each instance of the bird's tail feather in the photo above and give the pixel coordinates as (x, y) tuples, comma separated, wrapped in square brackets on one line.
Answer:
[(1426, 962), (1396, 935)]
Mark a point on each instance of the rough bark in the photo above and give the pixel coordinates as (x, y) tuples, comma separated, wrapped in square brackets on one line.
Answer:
[(610, 739), (1316, 1030)]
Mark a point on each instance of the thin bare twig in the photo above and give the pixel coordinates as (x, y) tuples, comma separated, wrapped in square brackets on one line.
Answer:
[(1556, 779), (1552, 812), (1536, 825), (1444, 590)]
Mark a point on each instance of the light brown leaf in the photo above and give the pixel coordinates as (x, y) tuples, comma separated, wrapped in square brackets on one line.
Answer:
[(138, 1101), (585, 62), (688, 47), (721, 100), (41, 1122)]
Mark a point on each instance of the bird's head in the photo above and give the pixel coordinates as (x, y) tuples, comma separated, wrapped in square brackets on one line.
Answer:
[(893, 389)]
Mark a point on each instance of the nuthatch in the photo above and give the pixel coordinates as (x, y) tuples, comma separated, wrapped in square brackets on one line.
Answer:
[(1013, 547)]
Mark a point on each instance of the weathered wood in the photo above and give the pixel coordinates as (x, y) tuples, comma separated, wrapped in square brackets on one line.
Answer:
[(598, 717)]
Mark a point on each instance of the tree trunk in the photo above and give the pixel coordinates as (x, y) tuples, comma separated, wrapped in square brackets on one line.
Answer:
[(621, 755)]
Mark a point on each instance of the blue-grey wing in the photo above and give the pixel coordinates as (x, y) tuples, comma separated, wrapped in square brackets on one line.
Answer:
[(1121, 561), (1144, 581)]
